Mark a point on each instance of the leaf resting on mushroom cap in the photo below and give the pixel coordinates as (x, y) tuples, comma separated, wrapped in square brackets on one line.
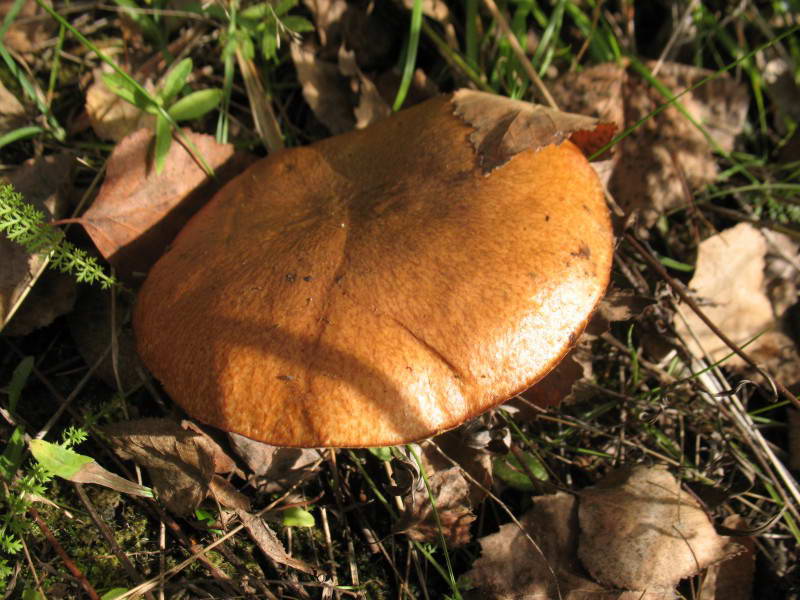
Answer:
[(505, 127), (375, 287)]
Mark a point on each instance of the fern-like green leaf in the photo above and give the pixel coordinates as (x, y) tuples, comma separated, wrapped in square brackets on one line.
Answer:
[(24, 224)]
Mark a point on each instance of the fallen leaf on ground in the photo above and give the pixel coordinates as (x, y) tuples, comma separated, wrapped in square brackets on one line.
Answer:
[(457, 446), (182, 464), (732, 579), (655, 159), (505, 127), (341, 96), (782, 271), (450, 491), (371, 106), (30, 30), (328, 19), (274, 467), (620, 305), (641, 531), (596, 91), (325, 89), (137, 212), (728, 284), (668, 150), (12, 113), (111, 117), (45, 183), (511, 567), (361, 28)]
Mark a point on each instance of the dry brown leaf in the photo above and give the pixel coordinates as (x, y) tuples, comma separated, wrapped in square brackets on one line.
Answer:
[(12, 113), (505, 127), (668, 149), (729, 284), (30, 30), (450, 491), (422, 87), (655, 159), (111, 117), (732, 579), (371, 106), (182, 464), (340, 95), (511, 568), (275, 467), (365, 28), (325, 90), (137, 213), (328, 16), (45, 183), (596, 91), (782, 271), (622, 305), (641, 531), (455, 444), (269, 543)]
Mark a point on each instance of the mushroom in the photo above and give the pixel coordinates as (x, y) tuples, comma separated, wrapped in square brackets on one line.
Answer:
[(378, 287)]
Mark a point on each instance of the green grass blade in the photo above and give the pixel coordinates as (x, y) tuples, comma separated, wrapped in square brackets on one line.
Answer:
[(411, 55)]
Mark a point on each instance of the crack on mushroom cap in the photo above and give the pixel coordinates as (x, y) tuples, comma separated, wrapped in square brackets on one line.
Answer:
[(422, 275)]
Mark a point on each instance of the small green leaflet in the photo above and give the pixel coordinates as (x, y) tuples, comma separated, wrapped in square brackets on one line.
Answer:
[(70, 465), (297, 517), (509, 470)]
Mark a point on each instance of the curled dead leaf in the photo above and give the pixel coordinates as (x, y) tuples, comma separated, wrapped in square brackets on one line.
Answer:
[(450, 491), (371, 106), (276, 468), (12, 113), (30, 29), (182, 464)]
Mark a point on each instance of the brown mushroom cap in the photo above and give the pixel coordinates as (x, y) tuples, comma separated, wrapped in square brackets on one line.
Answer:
[(376, 288)]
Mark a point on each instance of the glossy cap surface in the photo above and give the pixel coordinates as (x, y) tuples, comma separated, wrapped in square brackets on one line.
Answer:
[(376, 287)]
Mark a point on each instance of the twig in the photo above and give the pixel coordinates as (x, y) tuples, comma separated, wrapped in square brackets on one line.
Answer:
[(68, 562)]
